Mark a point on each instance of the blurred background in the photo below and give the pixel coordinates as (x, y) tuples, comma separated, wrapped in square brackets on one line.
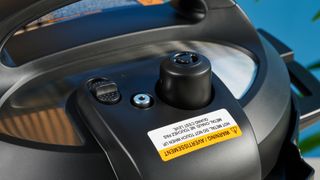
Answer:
[(297, 24)]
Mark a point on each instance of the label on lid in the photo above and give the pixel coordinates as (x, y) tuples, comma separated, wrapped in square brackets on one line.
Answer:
[(189, 135)]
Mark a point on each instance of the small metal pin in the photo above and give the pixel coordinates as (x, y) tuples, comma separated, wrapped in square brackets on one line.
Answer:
[(142, 101)]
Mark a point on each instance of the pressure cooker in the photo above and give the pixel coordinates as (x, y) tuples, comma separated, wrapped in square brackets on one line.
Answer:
[(183, 90)]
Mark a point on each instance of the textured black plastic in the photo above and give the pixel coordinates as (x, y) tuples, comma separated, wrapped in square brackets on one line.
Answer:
[(122, 129), (104, 90)]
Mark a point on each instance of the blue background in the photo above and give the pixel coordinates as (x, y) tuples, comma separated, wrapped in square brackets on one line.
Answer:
[(291, 22)]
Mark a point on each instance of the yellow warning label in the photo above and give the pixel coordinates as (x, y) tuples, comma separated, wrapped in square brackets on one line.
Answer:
[(189, 135), (150, 2), (199, 143)]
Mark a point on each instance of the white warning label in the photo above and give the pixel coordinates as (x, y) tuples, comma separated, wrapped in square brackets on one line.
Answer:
[(195, 133)]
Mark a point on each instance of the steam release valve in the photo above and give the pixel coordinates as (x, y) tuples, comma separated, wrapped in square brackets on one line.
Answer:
[(104, 90), (185, 81)]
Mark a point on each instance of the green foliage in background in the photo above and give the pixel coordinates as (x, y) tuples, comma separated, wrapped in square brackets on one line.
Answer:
[(315, 66), (316, 17), (310, 143)]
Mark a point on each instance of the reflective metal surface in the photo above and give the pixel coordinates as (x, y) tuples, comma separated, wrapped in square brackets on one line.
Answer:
[(36, 113), (50, 126), (236, 69)]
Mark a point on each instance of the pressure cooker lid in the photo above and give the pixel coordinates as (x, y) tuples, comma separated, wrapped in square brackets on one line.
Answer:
[(57, 88)]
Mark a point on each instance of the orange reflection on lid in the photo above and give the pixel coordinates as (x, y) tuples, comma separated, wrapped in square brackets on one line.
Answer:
[(150, 2)]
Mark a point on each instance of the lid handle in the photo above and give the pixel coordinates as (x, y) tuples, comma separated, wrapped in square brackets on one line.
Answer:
[(16, 13)]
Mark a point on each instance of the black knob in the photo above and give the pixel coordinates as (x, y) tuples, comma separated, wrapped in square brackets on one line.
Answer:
[(104, 90), (186, 81)]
